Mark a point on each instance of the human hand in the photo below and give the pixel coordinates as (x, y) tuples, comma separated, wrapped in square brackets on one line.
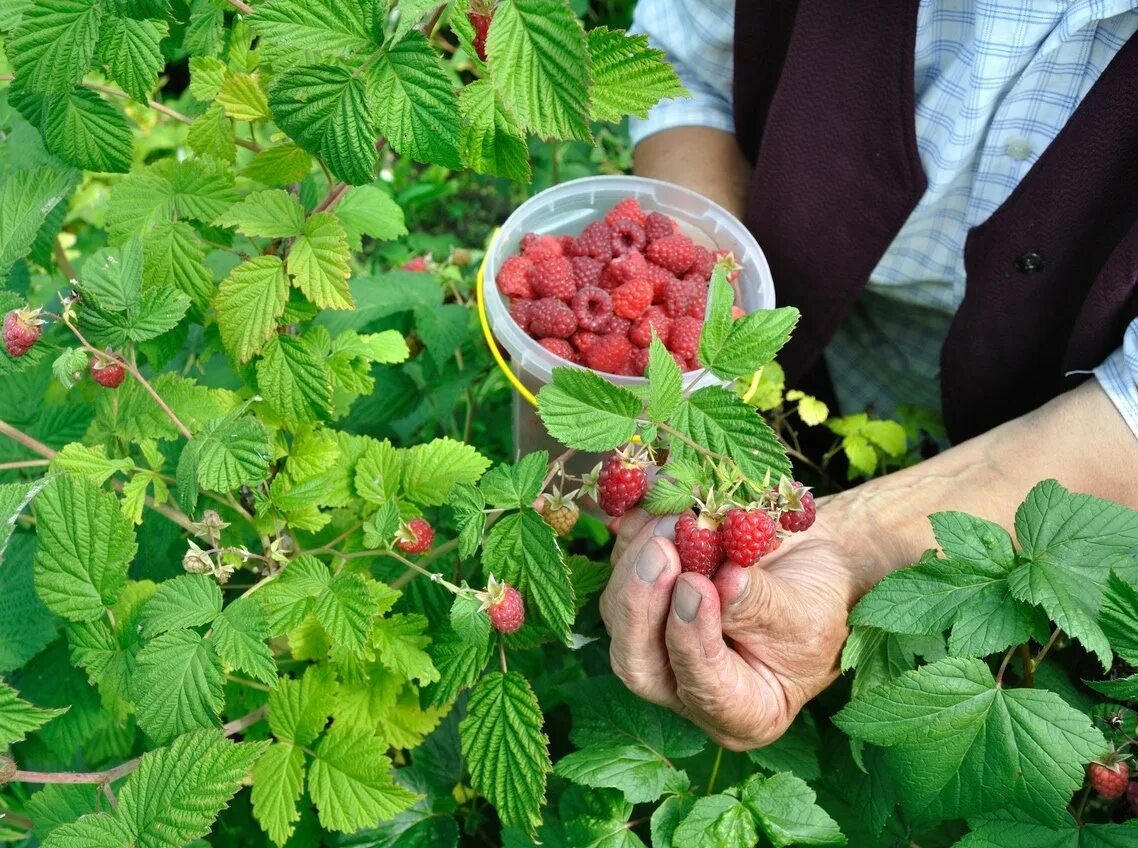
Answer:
[(738, 655)]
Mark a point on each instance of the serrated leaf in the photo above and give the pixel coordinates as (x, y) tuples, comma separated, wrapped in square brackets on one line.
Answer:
[(665, 384), (95, 830), (796, 751), (206, 76), (154, 313), (60, 803), (432, 470), (719, 820), (299, 709), (518, 484), (350, 781), (54, 44), (84, 130), (629, 77), (280, 165), (1123, 689), (242, 98), (469, 620), (26, 625), (85, 545), (370, 211), (290, 598), (399, 641), (249, 302), (177, 685), (327, 27), (294, 380), (344, 610), (18, 718), (468, 505), (1045, 585), (538, 60), (90, 462), (172, 253), (505, 748), (745, 344), (212, 134), (583, 410), (318, 262), (1000, 832), (265, 214), (491, 142), (229, 452), (667, 497), (239, 635), (460, 663), (785, 809), (278, 778), (198, 189), (881, 657), (26, 197), (719, 421), (129, 50), (187, 600), (1118, 617)]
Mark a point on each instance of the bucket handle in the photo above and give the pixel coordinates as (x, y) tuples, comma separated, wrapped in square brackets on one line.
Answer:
[(495, 351)]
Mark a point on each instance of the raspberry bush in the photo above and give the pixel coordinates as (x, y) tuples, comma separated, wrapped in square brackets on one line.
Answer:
[(271, 574)]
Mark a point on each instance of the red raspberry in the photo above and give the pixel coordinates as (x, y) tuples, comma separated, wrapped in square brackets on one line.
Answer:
[(593, 308), (22, 329), (583, 340), (746, 535), (797, 520), (629, 300), (1109, 779), (526, 241), (699, 544), (595, 242), (419, 263), (658, 226), (678, 296), (610, 353), (553, 278), (481, 24), (660, 278), (655, 318), (566, 244), (108, 374), (618, 325), (624, 268), (620, 485), (561, 348), (698, 306), (704, 262), (513, 277), (627, 208), (675, 252), (519, 310), (627, 235), (638, 364), (550, 317), (415, 537), (506, 609), (1131, 796), (587, 271), (684, 337), (540, 248)]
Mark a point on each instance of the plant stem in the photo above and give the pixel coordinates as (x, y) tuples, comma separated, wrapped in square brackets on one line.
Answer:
[(27, 441), (243, 8), (1028, 666), (252, 684), (335, 195), (26, 463), (714, 770), (502, 656), (62, 261), (1046, 648), (1004, 666), (431, 575), (1082, 804), (16, 820)]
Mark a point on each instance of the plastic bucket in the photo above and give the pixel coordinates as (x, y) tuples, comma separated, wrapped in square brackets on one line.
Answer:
[(566, 209)]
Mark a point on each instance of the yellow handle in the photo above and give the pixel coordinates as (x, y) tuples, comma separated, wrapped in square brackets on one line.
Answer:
[(495, 351)]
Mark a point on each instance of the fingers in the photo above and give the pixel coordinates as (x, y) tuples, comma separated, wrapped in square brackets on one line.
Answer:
[(627, 529), (635, 606), (746, 598)]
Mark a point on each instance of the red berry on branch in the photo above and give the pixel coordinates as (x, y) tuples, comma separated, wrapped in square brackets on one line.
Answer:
[(699, 544), (505, 607), (415, 537), (22, 329), (797, 520), (747, 535), (1109, 779), (419, 263), (107, 373), (621, 484), (560, 514)]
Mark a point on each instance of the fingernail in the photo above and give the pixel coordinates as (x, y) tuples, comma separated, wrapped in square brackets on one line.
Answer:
[(666, 527), (650, 562), (686, 601)]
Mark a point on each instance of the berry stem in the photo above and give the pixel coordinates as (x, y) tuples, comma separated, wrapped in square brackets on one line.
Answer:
[(698, 448), (432, 575), (502, 657), (62, 261), (1004, 666), (27, 463), (714, 770), (1082, 804), (1046, 648), (557, 464)]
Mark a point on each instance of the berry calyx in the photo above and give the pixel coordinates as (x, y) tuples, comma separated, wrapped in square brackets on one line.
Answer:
[(107, 373), (747, 535), (22, 329), (699, 544), (799, 506), (504, 605), (1109, 779), (560, 513), (415, 537), (7, 769), (621, 484)]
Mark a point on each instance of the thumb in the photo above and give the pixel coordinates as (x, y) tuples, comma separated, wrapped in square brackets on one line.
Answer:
[(748, 598)]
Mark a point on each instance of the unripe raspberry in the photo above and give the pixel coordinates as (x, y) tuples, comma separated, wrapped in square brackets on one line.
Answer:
[(505, 607), (560, 514), (415, 537)]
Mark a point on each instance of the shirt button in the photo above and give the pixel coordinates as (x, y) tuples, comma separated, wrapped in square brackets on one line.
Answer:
[(1030, 262), (1018, 148)]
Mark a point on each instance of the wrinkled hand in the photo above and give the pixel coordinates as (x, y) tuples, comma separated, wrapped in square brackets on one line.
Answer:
[(740, 655)]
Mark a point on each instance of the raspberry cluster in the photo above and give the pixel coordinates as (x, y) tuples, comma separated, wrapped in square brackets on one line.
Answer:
[(596, 299)]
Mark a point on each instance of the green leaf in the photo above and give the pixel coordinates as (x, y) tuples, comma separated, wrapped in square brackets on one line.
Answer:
[(667, 497), (212, 134), (665, 385), (177, 685), (431, 470), (516, 485), (265, 214), (881, 657), (18, 718), (291, 597), (469, 620), (96, 830), (299, 709), (229, 452), (318, 262), (1063, 596), (719, 820), (350, 781), (468, 505), (595, 818), (960, 745), (733, 349), (60, 803), (185, 601), (26, 625), (539, 62), (92, 463), (719, 421), (420, 116), (277, 781), (129, 50), (583, 410), (176, 792), (239, 635), (370, 211), (26, 197), (399, 641), (491, 142), (344, 610), (629, 77), (84, 130), (785, 809), (505, 748), (172, 253), (249, 302), (1123, 689), (327, 27), (197, 189), (796, 751), (294, 380), (281, 165), (54, 44), (242, 98), (85, 545), (14, 498), (155, 313), (522, 550), (379, 472), (206, 76), (460, 663), (1118, 618), (327, 111), (1001, 832)]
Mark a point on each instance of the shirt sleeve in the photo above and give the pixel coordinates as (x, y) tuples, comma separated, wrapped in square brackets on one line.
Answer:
[(697, 36), (1118, 376)]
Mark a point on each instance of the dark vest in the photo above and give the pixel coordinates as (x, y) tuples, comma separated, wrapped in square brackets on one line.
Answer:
[(824, 107)]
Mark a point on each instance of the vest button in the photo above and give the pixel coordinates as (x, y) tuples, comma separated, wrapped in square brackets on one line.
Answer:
[(1030, 262)]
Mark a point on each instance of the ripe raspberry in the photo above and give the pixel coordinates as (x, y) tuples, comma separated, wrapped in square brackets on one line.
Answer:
[(107, 374), (627, 235), (540, 248), (610, 353), (566, 244), (595, 242), (675, 252), (1109, 780), (561, 515), (684, 337), (519, 311), (638, 364), (797, 520), (593, 308), (1131, 796), (505, 607), (678, 296), (583, 340), (587, 271), (746, 535), (22, 329), (553, 278), (629, 300), (550, 317), (415, 537), (513, 277), (481, 24), (618, 325), (655, 318), (660, 278), (561, 348), (699, 544), (627, 208), (658, 226), (624, 268), (620, 485), (698, 306), (703, 264), (419, 263)]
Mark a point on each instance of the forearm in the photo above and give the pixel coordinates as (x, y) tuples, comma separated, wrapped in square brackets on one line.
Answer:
[(700, 158), (1078, 438)]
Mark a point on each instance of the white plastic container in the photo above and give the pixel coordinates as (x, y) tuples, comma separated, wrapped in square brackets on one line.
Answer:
[(566, 209)]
